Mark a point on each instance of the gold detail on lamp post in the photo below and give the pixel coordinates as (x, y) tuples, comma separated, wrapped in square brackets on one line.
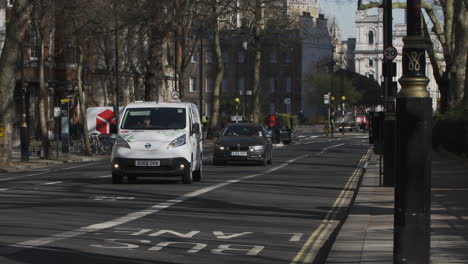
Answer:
[(414, 60), (413, 87)]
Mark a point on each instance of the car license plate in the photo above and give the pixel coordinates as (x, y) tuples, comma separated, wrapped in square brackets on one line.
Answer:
[(147, 163), (239, 153)]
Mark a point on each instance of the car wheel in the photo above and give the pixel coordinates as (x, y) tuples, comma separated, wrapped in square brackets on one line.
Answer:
[(116, 179), (131, 179), (197, 175), (187, 177), (219, 162)]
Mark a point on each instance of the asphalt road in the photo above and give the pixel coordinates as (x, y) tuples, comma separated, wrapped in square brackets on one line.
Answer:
[(238, 214)]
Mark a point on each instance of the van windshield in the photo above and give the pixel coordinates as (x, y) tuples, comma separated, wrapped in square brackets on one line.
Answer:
[(154, 118)]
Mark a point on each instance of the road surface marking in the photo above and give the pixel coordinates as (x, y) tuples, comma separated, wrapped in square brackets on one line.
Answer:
[(102, 176), (329, 223), (52, 183), (44, 172), (4, 189), (139, 214), (327, 148)]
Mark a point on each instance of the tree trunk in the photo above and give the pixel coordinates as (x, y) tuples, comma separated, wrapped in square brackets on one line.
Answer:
[(81, 101), (214, 120), (43, 98), (458, 69), (256, 106), (14, 34), (152, 68)]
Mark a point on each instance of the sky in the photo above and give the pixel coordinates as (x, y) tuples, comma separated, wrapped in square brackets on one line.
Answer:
[(344, 11)]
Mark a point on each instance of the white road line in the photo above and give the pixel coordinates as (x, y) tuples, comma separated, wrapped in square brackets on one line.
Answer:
[(102, 176), (139, 214), (44, 172), (52, 183), (4, 189), (327, 148), (330, 222)]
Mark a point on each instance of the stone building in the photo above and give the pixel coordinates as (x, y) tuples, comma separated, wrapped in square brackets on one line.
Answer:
[(368, 53)]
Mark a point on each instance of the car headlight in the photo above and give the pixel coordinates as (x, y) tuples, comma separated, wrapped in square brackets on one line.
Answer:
[(177, 142), (220, 147), (256, 148), (121, 142)]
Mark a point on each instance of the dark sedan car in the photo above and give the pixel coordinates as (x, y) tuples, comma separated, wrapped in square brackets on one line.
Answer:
[(243, 142)]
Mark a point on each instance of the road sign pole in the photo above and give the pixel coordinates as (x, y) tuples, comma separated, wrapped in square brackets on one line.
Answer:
[(390, 54)]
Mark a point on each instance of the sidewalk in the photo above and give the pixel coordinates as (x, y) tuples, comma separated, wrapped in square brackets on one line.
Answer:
[(367, 234), (36, 163)]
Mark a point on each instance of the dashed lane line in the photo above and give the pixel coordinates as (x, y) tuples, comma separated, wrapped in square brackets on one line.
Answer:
[(52, 183)]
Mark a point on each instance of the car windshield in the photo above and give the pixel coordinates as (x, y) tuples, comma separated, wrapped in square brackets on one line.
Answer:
[(243, 131), (154, 118)]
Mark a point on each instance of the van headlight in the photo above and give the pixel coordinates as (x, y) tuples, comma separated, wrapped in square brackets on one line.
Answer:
[(256, 148), (121, 142), (177, 142)]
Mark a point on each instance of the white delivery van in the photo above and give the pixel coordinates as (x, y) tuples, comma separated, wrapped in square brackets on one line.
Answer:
[(158, 139)]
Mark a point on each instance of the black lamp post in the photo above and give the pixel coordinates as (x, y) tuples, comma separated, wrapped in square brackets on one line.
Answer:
[(24, 119), (244, 106), (413, 145)]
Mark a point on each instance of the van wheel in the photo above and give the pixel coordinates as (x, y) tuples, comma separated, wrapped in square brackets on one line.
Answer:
[(187, 178), (116, 179), (197, 174)]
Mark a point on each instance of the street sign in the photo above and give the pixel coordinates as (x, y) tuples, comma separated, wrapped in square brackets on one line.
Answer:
[(326, 98), (390, 53), (57, 111), (175, 95), (287, 100)]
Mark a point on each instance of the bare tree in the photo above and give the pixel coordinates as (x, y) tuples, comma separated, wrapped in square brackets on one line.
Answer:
[(14, 34), (42, 21), (450, 25)]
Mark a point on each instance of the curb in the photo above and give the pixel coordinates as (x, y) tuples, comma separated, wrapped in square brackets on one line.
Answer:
[(36, 165), (326, 246)]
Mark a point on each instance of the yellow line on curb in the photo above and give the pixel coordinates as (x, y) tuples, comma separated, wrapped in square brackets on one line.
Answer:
[(328, 221)]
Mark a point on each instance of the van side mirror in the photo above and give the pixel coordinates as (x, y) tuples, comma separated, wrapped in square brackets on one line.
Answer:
[(113, 128), (195, 128)]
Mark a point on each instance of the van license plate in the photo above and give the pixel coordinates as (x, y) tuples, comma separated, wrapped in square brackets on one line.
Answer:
[(147, 163), (238, 153)]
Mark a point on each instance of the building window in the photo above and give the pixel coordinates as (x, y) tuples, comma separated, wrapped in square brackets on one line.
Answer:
[(241, 87), (71, 54), (371, 62), (208, 107), (209, 84), (272, 84), (34, 47), (224, 85), (194, 58), (209, 57), (371, 37), (288, 84), (241, 56), (193, 85), (288, 57), (273, 57), (225, 58)]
